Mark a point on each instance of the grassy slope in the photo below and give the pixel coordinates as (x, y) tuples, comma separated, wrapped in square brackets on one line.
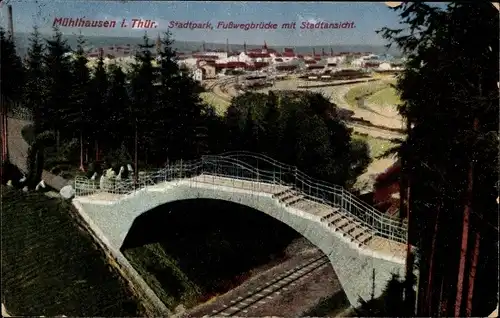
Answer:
[(362, 90), (218, 103), (163, 275), (386, 96), (51, 267)]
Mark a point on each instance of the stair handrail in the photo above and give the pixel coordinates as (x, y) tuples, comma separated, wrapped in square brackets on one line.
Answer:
[(370, 215)]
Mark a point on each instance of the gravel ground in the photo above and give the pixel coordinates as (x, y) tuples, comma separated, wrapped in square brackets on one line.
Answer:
[(290, 302), (305, 295)]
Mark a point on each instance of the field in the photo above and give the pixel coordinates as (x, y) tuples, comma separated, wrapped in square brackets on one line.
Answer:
[(51, 267), (218, 103), (386, 96)]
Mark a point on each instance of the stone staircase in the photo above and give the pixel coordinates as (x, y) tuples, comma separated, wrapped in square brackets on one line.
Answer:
[(336, 219)]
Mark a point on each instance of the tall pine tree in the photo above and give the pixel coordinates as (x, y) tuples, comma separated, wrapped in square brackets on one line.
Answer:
[(11, 83), (101, 113), (12, 72), (78, 117), (34, 95), (450, 157), (142, 81), (59, 82), (180, 106), (119, 112)]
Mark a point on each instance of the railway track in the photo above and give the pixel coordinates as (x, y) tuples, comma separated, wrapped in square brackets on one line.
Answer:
[(242, 304)]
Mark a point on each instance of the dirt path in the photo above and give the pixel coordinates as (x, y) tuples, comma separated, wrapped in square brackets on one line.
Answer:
[(18, 147), (374, 132), (365, 182)]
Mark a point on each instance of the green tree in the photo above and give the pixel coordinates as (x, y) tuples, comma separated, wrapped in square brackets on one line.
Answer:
[(119, 117), (178, 104), (142, 81), (250, 134), (12, 72), (298, 128), (312, 146), (358, 159), (11, 82), (103, 122), (449, 158), (217, 132), (79, 118), (270, 124), (59, 82), (33, 94)]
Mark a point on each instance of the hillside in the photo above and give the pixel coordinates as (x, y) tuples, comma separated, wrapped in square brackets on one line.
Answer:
[(50, 266)]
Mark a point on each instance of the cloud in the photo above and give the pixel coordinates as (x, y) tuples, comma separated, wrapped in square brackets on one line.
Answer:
[(309, 19)]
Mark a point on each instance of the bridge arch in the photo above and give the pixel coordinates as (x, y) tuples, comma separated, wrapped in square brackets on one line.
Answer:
[(229, 179)]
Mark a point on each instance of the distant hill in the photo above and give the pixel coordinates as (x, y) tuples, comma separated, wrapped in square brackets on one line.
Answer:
[(22, 43)]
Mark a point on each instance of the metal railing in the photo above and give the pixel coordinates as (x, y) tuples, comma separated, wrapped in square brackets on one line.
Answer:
[(261, 169)]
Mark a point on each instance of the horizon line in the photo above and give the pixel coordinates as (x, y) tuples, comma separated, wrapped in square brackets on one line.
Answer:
[(200, 41)]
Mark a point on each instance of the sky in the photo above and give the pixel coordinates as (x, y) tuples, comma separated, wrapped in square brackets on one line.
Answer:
[(366, 18)]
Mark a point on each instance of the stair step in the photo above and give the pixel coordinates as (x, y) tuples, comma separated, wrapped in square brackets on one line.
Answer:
[(365, 238), (357, 232), (326, 217), (336, 217), (285, 195), (288, 198), (298, 204), (333, 215), (348, 228), (344, 221), (279, 194), (292, 199), (323, 213)]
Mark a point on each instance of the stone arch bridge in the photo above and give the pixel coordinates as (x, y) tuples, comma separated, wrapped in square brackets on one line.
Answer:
[(363, 245)]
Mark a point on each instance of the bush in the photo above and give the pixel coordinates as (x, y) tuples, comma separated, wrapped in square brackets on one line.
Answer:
[(10, 172), (28, 134)]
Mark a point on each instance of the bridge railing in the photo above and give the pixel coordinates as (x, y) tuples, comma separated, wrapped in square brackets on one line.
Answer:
[(85, 186), (259, 160), (259, 169), (232, 166)]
